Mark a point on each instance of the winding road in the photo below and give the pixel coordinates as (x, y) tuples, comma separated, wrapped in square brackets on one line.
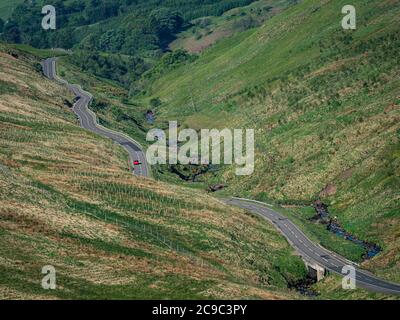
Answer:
[(311, 252), (88, 120)]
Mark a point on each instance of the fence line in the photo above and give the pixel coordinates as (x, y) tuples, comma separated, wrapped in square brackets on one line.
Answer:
[(159, 237)]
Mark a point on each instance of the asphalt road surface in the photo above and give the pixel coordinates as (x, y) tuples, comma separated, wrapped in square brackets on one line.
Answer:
[(313, 252), (88, 120)]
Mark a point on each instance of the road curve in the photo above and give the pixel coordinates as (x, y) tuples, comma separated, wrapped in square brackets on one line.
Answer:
[(88, 120), (313, 252)]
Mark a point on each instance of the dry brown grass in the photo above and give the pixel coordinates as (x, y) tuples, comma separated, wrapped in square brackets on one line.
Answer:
[(45, 159)]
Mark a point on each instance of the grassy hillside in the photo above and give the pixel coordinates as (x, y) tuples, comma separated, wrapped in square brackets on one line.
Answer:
[(206, 31), (325, 106), (67, 200)]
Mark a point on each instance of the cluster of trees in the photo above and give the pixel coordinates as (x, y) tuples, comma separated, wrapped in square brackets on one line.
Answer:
[(193, 9), (73, 20), (170, 61), (114, 39), (127, 69), (122, 69), (125, 26)]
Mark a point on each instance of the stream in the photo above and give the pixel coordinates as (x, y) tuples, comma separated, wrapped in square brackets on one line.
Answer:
[(371, 249)]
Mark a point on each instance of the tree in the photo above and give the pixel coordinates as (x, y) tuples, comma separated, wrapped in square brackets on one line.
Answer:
[(64, 38), (112, 40), (165, 23), (155, 102), (12, 33)]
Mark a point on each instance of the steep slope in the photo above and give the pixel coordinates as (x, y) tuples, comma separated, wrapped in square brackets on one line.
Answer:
[(67, 200), (325, 106), (121, 26), (205, 31)]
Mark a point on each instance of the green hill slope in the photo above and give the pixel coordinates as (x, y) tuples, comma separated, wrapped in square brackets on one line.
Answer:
[(325, 106)]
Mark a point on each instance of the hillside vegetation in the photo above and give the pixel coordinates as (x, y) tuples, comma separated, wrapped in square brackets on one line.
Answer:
[(100, 31), (206, 31), (68, 200), (326, 108)]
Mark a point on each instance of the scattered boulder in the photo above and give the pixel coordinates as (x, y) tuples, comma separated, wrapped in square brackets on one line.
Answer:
[(216, 187), (13, 53)]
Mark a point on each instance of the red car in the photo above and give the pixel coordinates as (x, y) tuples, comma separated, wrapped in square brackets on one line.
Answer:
[(136, 163)]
